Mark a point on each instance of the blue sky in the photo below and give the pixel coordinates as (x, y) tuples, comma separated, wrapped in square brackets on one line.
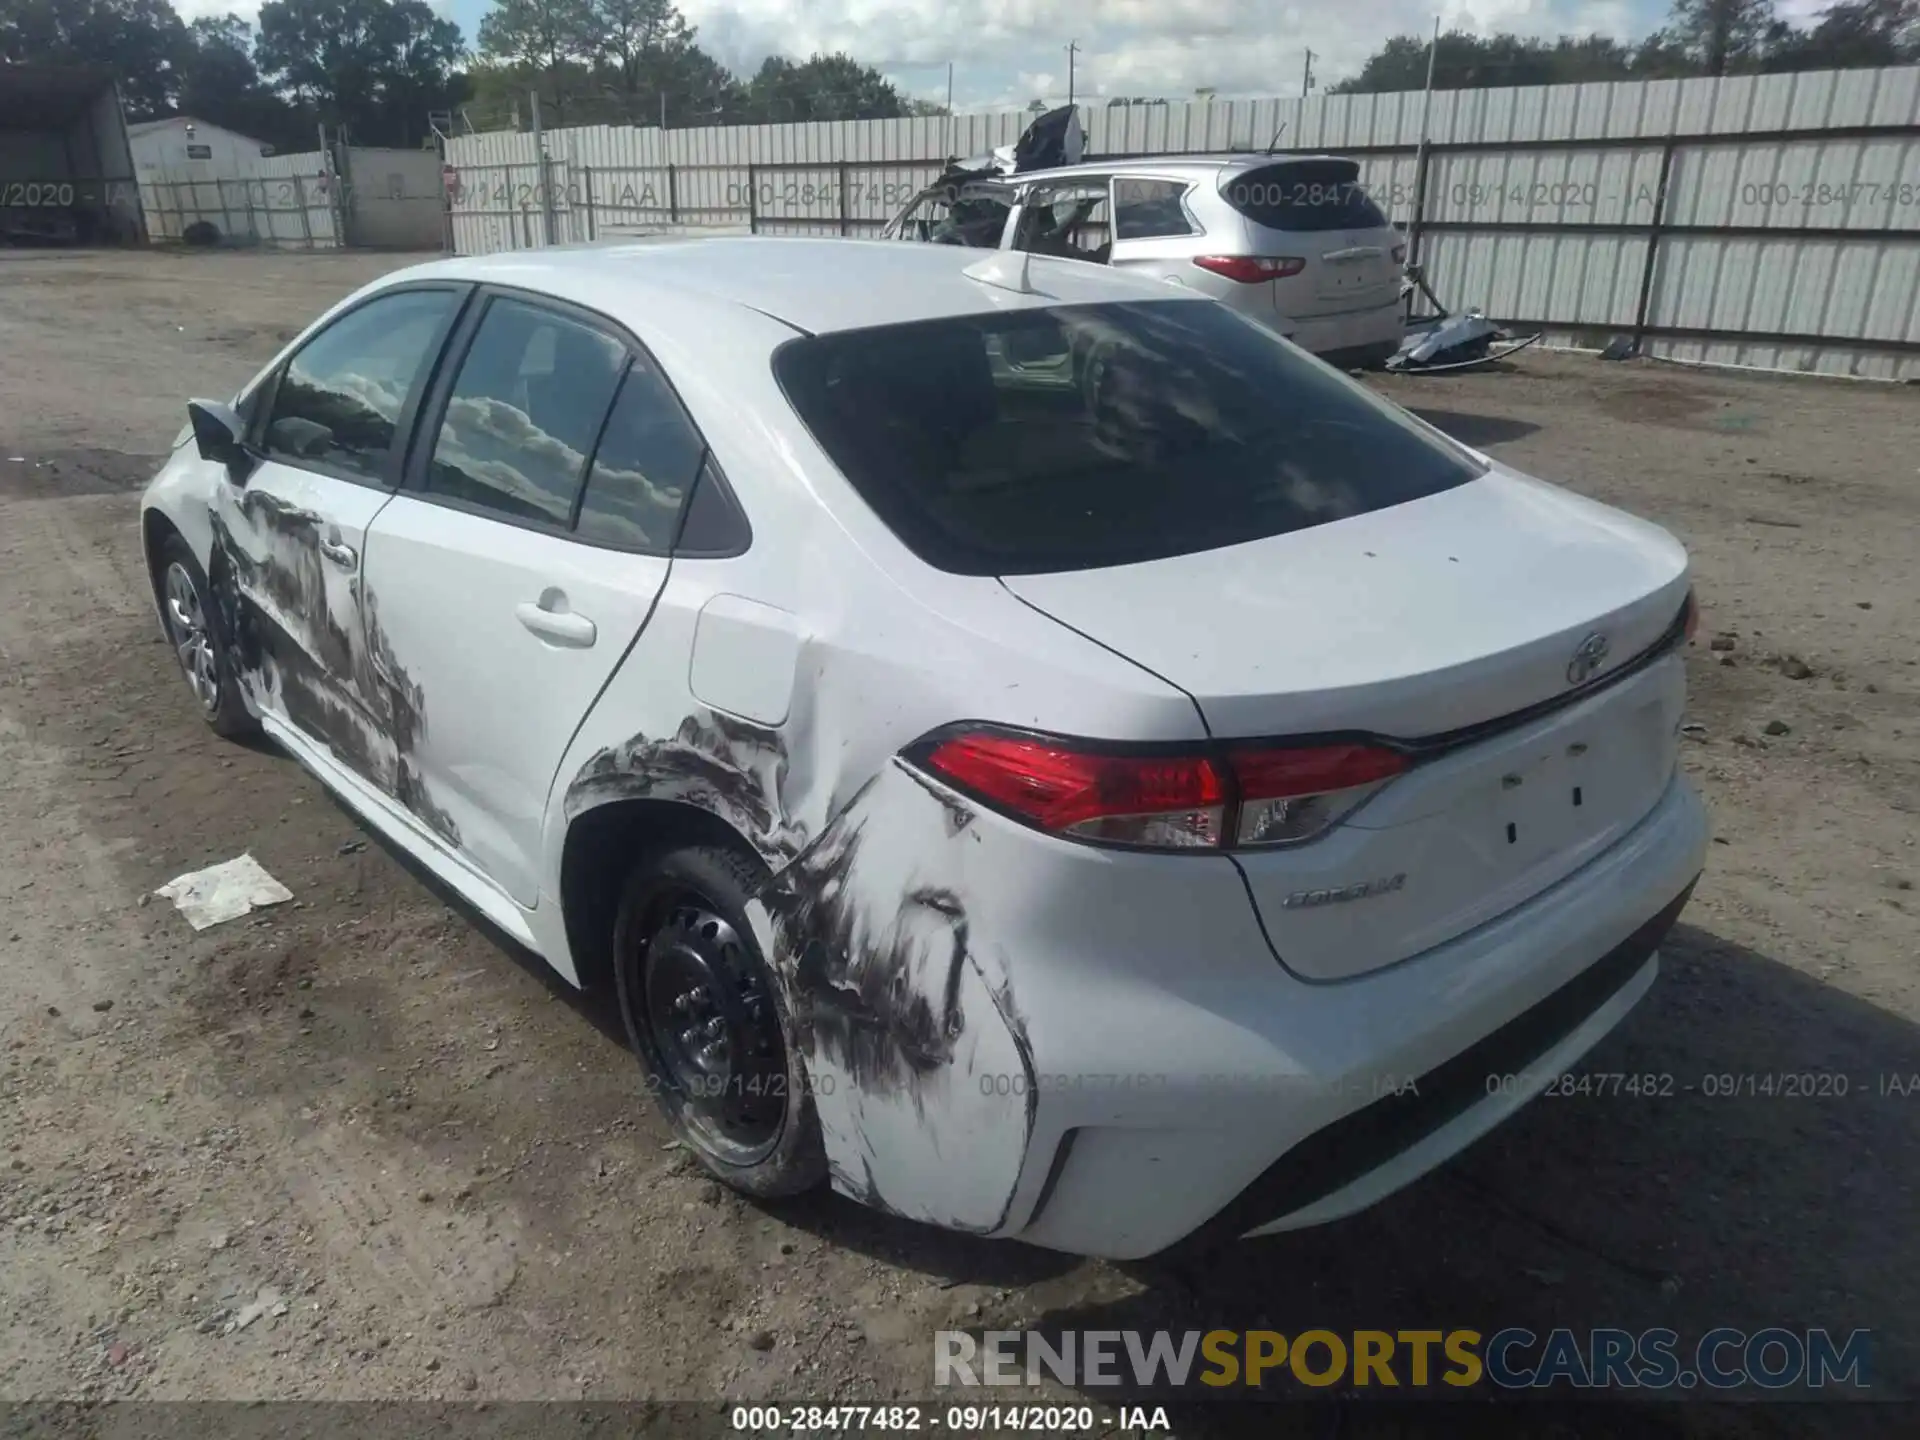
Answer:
[(1006, 52)]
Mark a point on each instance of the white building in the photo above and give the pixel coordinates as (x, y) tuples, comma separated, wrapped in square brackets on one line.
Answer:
[(193, 147)]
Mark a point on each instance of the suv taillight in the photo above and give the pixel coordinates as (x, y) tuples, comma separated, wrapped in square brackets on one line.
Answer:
[(1252, 269), (1233, 796)]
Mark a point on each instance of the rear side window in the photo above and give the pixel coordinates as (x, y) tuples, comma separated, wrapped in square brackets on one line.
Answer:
[(1149, 209), (342, 392), (1304, 195), (525, 412), (647, 461), (1077, 437)]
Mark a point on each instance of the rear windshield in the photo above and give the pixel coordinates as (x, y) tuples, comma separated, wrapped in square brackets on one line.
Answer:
[(1038, 440), (1304, 195)]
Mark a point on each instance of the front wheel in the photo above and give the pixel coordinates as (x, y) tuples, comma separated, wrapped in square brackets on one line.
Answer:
[(705, 1017), (194, 631)]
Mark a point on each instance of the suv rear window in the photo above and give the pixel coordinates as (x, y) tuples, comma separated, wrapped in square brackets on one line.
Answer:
[(1082, 436), (1304, 195)]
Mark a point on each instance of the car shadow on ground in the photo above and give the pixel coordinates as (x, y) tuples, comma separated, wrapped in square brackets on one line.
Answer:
[(1765, 1175), (1743, 1151), (1475, 430)]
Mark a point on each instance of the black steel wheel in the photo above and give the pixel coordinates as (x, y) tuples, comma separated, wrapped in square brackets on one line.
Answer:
[(705, 1018)]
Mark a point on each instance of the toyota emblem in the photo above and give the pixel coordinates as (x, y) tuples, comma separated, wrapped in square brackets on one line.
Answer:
[(1588, 656)]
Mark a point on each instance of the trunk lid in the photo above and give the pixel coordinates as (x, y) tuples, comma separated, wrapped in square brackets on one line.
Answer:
[(1454, 611)]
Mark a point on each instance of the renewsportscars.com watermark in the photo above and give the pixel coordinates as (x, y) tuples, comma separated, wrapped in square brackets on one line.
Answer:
[(1399, 1360)]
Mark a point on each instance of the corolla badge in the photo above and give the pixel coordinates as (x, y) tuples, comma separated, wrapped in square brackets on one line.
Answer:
[(1588, 656), (1341, 894)]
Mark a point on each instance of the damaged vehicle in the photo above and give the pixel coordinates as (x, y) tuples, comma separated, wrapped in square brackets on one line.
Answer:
[(1020, 743), (1292, 241)]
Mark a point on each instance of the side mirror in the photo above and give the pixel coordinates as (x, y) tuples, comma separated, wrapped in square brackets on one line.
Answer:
[(216, 431)]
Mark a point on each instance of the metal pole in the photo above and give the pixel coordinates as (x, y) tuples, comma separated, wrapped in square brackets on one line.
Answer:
[(1306, 76), (586, 183), (947, 144), (1073, 47), (1653, 247), (1420, 157), (540, 174)]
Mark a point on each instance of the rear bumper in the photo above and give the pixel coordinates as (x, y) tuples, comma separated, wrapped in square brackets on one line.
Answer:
[(1247, 1108), (1353, 338)]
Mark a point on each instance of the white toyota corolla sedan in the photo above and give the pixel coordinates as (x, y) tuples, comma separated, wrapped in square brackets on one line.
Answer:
[(1021, 742)]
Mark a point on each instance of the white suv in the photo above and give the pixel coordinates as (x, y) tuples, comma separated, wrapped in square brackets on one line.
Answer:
[(1022, 743), (1292, 241)]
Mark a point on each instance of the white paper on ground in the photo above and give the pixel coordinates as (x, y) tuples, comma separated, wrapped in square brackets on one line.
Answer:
[(223, 892)]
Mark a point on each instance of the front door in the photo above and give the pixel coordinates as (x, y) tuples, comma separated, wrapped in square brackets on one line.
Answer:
[(511, 575), (291, 535)]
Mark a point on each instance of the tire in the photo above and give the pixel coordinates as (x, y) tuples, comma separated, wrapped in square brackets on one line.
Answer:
[(708, 1023), (199, 642)]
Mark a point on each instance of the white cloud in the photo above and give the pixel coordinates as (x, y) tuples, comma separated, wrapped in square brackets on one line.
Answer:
[(1011, 50)]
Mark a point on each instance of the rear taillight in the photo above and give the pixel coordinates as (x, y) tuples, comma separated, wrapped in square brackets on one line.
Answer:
[(1244, 796), (1252, 269), (1292, 794)]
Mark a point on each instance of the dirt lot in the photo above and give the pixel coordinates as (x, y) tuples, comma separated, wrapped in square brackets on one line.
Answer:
[(429, 1172)]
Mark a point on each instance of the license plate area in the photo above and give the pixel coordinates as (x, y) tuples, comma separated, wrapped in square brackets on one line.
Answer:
[(1538, 809)]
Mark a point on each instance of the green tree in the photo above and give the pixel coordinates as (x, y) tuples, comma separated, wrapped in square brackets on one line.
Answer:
[(638, 41), (220, 83), (825, 87), (549, 40), (378, 67), (139, 41), (1723, 35), (1853, 34)]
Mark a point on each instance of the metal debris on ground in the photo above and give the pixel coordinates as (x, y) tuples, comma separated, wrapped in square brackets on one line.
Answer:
[(1456, 342), (223, 892), (1444, 340)]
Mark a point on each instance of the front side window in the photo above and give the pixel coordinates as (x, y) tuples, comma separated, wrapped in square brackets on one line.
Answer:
[(1082, 436), (339, 400), (525, 412)]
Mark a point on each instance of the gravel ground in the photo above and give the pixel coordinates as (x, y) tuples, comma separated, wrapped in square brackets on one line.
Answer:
[(354, 1148)]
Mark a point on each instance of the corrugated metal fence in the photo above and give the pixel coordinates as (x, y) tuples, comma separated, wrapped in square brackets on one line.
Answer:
[(282, 200), (1757, 220)]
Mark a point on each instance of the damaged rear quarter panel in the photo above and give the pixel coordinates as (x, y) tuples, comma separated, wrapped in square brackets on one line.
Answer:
[(908, 1018)]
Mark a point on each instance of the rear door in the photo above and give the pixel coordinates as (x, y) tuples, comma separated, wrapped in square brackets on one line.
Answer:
[(1316, 210), (1153, 230), (290, 542), (511, 575)]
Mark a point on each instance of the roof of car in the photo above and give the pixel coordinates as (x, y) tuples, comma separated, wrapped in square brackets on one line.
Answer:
[(811, 284)]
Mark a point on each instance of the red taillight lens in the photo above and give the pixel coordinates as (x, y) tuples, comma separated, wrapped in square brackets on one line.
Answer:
[(1172, 801), (1252, 269), (1252, 796)]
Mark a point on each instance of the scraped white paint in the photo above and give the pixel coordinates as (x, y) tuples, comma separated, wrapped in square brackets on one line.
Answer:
[(223, 892)]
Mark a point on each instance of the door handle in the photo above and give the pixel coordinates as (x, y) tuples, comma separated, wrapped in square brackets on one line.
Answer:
[(340, 554), (563, 627)]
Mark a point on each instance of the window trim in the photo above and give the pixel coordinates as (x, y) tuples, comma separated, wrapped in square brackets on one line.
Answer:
[(433, 407), (267, 389)]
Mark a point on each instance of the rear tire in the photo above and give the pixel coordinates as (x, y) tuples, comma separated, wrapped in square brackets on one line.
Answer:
[(705, 1017), (199, 643)]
